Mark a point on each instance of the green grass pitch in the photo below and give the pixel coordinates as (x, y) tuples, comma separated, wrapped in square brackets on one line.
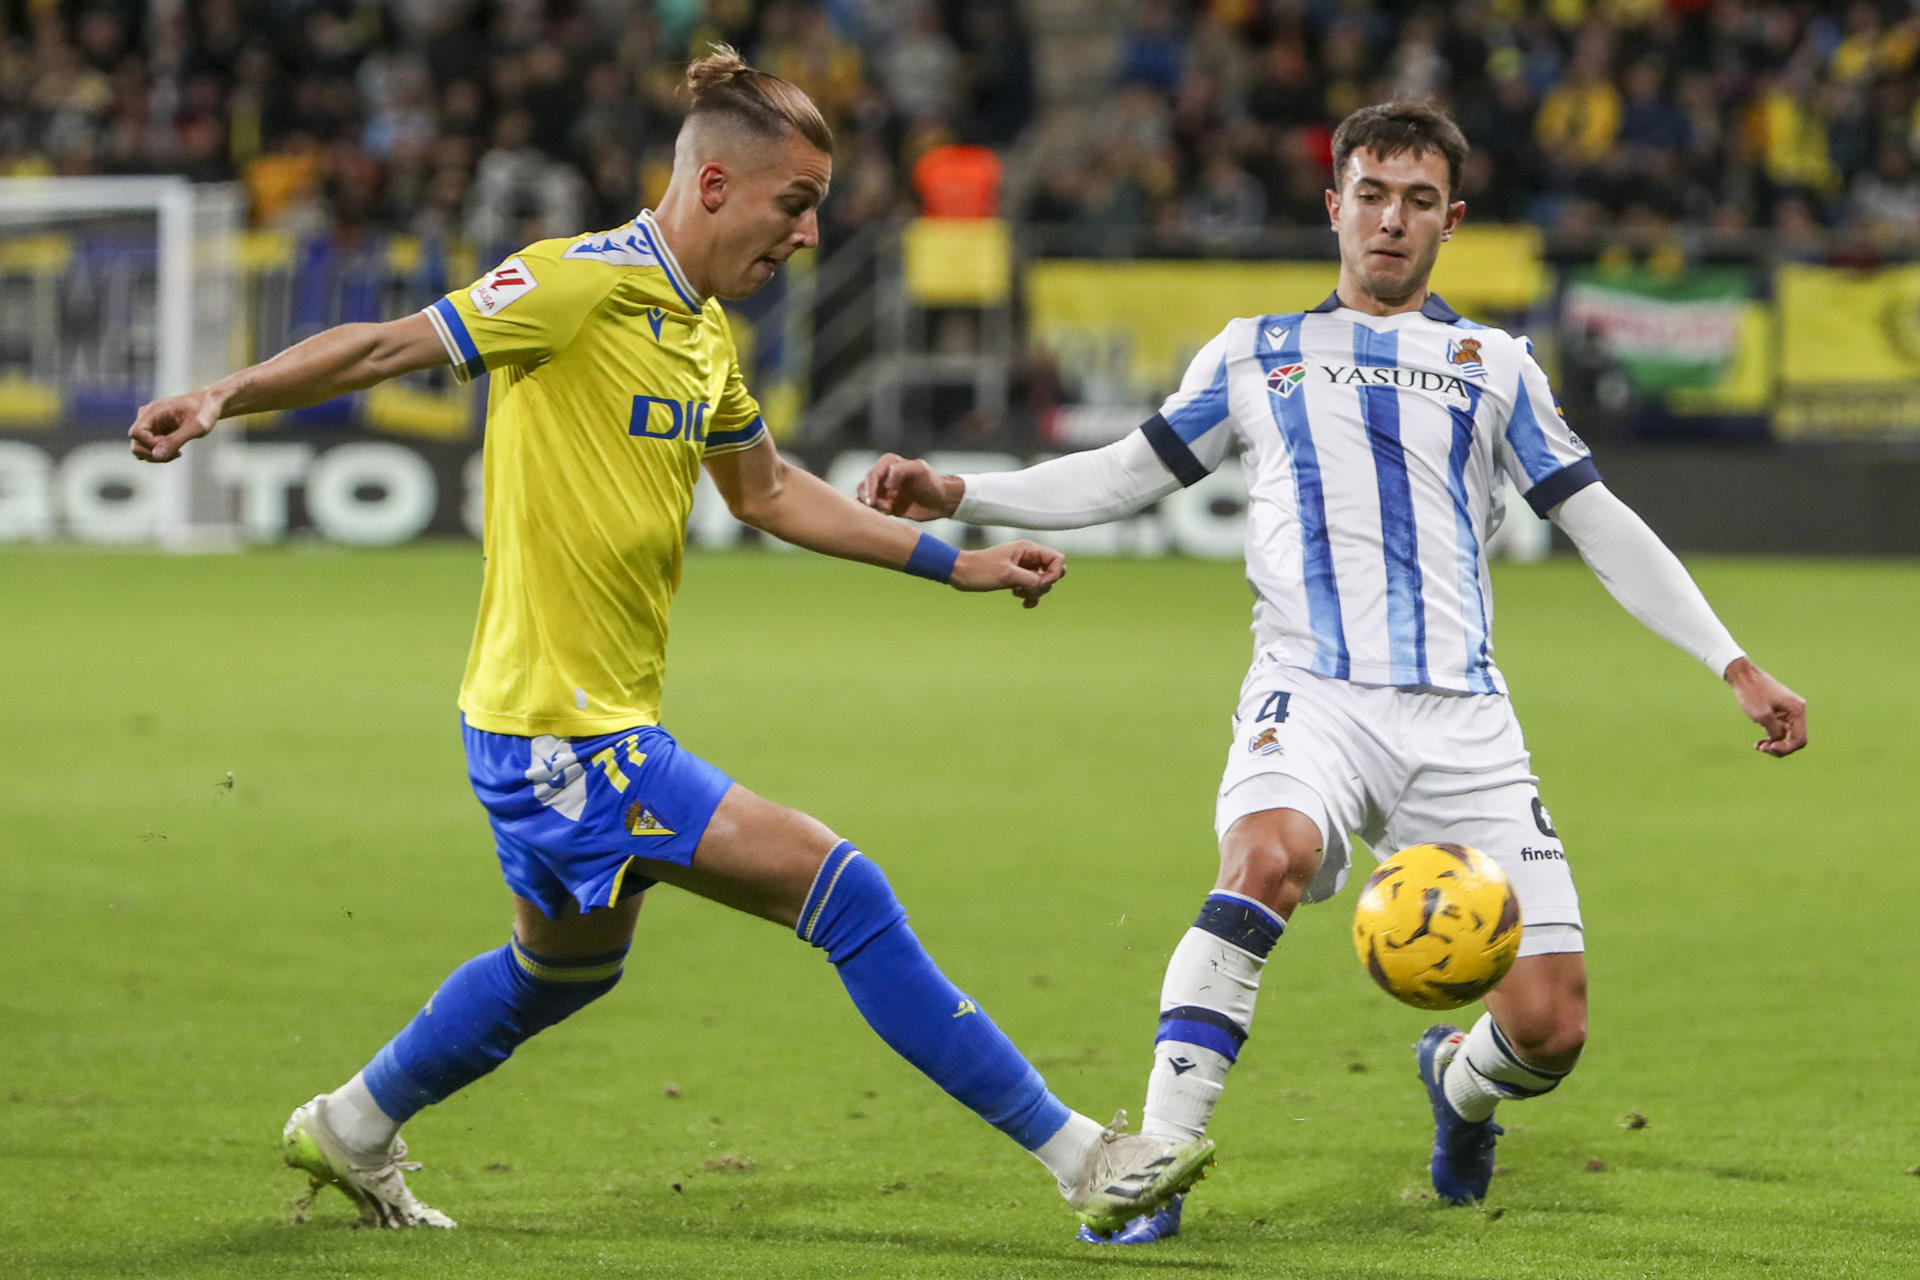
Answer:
[(240, 851)]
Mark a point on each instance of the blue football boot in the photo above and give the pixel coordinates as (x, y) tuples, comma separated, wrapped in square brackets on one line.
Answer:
[(1162, 1224), (1462, 1164)]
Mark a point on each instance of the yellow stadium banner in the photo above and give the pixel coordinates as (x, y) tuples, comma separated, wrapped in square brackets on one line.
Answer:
[(443, 414), (957, 262), (1123, 332), (25, 403), (1492, 268), (1849, 355)]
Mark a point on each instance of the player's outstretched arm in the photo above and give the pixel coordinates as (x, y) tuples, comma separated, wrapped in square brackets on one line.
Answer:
[(1086, 488), (342, 359), (1090, 487), (762, 489), (1649, 581)]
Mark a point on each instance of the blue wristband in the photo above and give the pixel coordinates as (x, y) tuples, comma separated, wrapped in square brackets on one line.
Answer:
[(932, 559)]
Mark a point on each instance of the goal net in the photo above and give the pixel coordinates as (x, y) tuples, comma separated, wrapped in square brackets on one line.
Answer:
[(113, 292)]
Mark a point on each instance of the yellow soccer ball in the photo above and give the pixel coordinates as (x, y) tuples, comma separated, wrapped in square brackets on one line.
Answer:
[(1438, 925)]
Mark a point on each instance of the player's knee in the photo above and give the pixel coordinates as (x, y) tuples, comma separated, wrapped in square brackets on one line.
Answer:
[(1265, 873), (1551, 1036), (1270, 857), (849, 905), (1563, 1039), (1541, 1010)]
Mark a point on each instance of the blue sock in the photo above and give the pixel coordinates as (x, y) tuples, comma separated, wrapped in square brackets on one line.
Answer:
[(852, 915), (483, 1012)]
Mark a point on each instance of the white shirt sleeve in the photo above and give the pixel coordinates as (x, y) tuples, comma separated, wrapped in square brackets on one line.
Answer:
[(1067, 493), (1194, 428), (1644, 576), (1178, 446), (1537, 449)]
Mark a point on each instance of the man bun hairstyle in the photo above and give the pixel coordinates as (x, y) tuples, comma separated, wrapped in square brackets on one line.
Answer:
[(1389, 128), (722, 84)]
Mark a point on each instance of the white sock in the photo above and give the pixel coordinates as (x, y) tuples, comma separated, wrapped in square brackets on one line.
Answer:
[(1180, 1102), (358, 1121), (1066, 1151), (1206, 1010), (1468, 1092), (1486, 1071)]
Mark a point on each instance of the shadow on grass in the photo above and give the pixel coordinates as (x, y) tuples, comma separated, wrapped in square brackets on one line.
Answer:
[(787, 1232), (517, 1243)]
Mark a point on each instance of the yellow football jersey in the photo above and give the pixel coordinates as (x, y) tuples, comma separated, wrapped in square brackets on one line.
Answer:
[(611, 380)]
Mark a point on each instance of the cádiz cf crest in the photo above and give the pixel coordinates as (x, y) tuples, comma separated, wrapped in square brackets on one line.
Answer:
[(643, 821)]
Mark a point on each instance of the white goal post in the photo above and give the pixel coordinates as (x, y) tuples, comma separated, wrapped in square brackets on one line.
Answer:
[(195, 304)]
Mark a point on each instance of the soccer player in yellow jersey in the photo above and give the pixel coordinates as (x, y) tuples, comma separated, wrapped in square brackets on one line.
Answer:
[(614, 378)]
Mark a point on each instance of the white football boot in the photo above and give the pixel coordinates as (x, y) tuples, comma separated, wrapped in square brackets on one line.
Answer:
[(374, 1185), (1126, 1175)]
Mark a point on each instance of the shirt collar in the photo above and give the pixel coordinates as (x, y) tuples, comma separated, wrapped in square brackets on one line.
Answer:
[(1434, 308), (656, 242)]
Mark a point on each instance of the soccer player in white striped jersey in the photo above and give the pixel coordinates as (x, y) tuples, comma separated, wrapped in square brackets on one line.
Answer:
[(1377, 429)]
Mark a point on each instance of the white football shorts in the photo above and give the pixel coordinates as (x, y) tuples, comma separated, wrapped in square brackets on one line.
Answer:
[(1399, 767)]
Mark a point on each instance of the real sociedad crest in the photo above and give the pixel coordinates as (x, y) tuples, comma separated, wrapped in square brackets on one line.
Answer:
[(1464, 356), (1284, 378)]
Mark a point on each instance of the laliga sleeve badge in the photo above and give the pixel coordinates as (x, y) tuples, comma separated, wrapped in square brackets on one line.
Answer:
[(501, 287)]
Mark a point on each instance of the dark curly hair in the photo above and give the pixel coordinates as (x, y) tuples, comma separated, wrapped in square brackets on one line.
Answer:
[(1389, 128)]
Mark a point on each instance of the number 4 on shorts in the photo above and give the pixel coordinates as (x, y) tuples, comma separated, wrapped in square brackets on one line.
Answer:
[(1274, 708)]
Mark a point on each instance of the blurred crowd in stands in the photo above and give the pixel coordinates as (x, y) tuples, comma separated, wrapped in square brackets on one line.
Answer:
[(1780, 116), (504, 120), (510, 119)]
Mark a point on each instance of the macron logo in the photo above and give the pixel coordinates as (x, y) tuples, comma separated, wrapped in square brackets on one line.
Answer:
[(501, 287)]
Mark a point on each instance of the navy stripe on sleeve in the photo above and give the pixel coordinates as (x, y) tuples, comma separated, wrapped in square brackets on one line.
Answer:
[(1561, 485), (1173, 451), (468, 363), (719, 440)]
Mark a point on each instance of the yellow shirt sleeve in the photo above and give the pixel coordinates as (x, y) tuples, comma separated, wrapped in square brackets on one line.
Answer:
[(737, 423), (521, 312)]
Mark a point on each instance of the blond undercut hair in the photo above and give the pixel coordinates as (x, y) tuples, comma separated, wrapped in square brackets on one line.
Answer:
[(723, 87)]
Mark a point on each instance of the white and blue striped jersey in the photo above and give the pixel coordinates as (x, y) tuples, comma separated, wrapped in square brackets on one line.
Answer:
[(1375, 448)]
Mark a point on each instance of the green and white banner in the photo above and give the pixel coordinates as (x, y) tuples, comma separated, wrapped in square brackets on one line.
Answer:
[(1667, 330)]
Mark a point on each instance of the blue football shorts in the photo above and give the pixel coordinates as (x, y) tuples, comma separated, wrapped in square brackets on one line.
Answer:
[(569, 814)]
